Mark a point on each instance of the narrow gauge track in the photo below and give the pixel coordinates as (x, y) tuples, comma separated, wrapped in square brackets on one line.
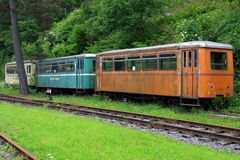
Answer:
[(228, 114), (229, 135), (20, 151)]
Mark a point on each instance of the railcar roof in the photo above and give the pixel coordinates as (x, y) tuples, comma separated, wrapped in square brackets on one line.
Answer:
[(192, 44), (24, 62), (74, 56)]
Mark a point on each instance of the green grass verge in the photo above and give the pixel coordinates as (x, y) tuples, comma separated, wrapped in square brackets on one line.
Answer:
[(153, 109), (55, 135)]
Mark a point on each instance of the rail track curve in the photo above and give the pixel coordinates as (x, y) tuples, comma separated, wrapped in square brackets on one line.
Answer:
[(20, 150)]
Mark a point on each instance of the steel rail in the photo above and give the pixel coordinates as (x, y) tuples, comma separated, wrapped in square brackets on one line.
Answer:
[(27, 155), (228, 114), (195, 128)]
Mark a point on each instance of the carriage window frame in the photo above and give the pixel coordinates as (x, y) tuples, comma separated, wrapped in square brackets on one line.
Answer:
[(133, 62), (81, 64), (41, 68), (121, 61), (29, 68), (149, 58), (48, 68), (11, 70), (55, 67), (214, 65), (94, 65), (195, 58), (190, 59), (70, 67), (107, 61), (61, 67), (167, 56), (184, 59)]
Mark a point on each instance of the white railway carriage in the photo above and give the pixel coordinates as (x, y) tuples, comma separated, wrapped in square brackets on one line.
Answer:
[(11, 76)]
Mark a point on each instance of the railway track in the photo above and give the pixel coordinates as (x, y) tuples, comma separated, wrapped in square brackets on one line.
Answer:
[(227, 114), (19, 150), (213, 132)]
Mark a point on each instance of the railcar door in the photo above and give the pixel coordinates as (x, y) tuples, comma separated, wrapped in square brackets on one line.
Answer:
[(79, 73), (98, 71), (189, 75)]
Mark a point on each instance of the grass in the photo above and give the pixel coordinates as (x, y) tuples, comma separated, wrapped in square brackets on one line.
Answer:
[(55, 135), (153, 109)]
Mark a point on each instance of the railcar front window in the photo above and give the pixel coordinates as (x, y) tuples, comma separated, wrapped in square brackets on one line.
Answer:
[(168, 62), (107, 65), (134, 64), (119, 64), (149, 62), (218, 60)]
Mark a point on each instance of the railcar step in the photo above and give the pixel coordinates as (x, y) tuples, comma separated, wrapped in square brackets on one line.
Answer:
[(194, 105), (190, 98)]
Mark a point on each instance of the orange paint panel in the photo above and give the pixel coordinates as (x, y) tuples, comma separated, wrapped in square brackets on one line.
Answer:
[(215, 82)]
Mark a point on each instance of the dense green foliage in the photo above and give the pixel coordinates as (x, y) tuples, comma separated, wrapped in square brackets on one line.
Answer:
[(58, 28), (35, 17)]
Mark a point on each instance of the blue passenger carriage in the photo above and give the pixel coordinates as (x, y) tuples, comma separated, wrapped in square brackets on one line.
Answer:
[(70, 73)]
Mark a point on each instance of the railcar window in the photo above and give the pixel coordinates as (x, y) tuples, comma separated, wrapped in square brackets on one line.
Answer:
[(94, 65), (29, 69), (12, 70), (81, 64), (41, 68), (189, 59), (54, 67), (134, 63), (62, 67), (107, 64), (218, 60), (70, 67), (119, 64), (168, 62), (48, 68), (149, 62), (185, 59), (195, 58)]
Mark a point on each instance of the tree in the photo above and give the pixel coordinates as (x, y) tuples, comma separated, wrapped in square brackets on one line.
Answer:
[(17, 49), (105, 25)]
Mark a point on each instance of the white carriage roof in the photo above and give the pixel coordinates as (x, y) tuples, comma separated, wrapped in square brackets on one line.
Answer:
[(74, 56), (24, 62), (192, 44)]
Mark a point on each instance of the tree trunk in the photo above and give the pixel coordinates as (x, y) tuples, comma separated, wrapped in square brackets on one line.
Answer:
[(17, 49)]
